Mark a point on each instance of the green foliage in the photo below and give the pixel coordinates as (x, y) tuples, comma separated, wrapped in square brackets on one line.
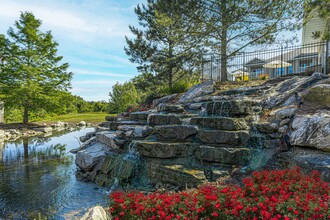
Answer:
[(163, 46), (122, 97), (231, 26), (33, 77), (68, 105)]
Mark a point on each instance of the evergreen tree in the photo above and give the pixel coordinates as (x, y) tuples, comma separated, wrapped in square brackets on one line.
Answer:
[(164, 45), (32, 74), (232, 26)]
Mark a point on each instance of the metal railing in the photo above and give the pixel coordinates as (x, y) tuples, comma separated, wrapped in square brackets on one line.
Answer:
[(271, 63)]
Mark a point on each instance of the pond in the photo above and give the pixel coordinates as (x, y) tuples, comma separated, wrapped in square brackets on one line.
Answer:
[(38, 179)]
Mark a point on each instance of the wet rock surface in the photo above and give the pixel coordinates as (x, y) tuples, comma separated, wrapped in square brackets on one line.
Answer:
[(205, 133), (86, 159)]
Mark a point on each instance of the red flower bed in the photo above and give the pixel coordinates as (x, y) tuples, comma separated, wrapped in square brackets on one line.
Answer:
[(274, 195)]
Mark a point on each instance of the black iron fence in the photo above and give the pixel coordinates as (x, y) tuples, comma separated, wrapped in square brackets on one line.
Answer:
[(271, 63)]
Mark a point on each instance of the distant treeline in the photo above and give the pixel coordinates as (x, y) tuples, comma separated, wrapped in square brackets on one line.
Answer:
[(68, 104)]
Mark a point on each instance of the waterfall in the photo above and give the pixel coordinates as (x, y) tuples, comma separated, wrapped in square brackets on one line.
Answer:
[(259, 155), (132, 152)]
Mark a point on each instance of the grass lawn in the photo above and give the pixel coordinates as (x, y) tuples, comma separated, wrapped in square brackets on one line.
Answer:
[(93, 118)]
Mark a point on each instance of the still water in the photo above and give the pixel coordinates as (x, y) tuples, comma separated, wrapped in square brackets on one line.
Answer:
[(37, 178)]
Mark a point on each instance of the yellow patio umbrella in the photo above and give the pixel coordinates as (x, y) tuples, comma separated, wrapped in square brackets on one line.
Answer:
[(277, 64)]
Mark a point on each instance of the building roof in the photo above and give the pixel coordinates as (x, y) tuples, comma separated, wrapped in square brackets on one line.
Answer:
[(306, 55), (255, 62)]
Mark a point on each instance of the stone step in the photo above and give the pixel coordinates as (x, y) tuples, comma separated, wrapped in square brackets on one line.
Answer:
[(220, 123), (177, 175), (114, 124), (110, 118), (225, 138), (133, 131), (169, 108), (161, 119), (175, 133), (165, 150), (232, 108), (139, 116), (229, 156)]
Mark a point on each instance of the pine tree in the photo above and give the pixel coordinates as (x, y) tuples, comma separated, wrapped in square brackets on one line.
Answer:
[(32, 74), (163, 45), (232, 26)]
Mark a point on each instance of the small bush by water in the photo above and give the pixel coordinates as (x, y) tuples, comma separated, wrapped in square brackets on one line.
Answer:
[(274, 195)]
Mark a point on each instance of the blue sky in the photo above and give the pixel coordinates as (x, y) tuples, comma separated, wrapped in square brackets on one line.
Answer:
[(91, 39)]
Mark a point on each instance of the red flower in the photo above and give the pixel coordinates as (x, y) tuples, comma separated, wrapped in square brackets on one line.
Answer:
[(215, 214)]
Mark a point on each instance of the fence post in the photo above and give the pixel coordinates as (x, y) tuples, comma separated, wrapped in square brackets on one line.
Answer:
[(326, 57), (243, 69), (281, 60), (211, 67)]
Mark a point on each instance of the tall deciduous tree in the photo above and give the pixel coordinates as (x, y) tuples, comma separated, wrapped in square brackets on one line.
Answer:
[(123, 96), (32, 74), (163, 44), (233, 25)]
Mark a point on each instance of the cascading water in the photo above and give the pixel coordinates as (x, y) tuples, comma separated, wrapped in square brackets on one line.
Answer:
[(259, 156), (132, 152)]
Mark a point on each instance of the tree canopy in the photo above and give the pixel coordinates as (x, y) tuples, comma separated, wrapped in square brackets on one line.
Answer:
[(163, 44), (32, 74), (123, 96), (231, 26)]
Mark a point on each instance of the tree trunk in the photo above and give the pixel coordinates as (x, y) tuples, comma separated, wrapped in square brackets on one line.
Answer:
[(223, 47), (170, 66), (223, 60), (26, 116)]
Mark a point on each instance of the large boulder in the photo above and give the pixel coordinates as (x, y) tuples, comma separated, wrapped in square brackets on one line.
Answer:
[(311, 131), (165, 150), (169, 108), (286, 92), (318, 96), (308, 160), (96, 213), (165, 99), (139, 116), (2, 133), (107, 138), (87, 159), (233, 156), (226, 138), (204, 88), (158, 119), (175, 132), (220, 123)]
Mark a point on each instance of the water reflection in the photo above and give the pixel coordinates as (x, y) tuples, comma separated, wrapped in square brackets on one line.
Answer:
[(38, 176)]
